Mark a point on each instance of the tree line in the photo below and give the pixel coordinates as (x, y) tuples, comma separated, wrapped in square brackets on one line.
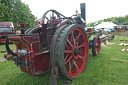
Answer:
[(122, 20), (17, 12)]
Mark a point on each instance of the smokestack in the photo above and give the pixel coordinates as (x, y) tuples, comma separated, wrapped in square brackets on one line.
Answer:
[(83, 10)]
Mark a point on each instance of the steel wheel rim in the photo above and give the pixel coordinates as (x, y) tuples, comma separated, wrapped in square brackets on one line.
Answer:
[(76, 52), (98, 46)]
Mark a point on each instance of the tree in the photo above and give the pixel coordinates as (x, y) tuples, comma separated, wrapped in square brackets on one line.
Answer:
[(16, 12), (117, 20)]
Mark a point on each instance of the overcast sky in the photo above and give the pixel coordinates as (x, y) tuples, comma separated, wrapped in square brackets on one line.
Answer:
[(95, 9)]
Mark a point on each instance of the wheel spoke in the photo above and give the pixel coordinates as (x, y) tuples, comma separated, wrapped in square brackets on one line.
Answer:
[(70, 65), (47, 18), (65, 57), (66, 45), (69, 43), (82, 45), (80, 57), (73, 39), (78, 36), (76, 65), (67, 51), (70, 68), (68, 60), (72, 62), (52, 14)]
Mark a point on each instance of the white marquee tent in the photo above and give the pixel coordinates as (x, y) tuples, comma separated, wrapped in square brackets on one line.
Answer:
[(106, 25)]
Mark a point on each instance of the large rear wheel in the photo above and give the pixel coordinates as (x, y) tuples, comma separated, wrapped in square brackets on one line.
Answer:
[(70, 51)]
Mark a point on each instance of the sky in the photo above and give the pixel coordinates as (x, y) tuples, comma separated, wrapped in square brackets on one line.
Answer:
[(95, 9)]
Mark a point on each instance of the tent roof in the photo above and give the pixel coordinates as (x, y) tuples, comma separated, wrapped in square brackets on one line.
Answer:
[(106, 25)]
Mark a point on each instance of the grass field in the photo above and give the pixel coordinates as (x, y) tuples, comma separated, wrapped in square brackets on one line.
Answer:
[(110, 67)]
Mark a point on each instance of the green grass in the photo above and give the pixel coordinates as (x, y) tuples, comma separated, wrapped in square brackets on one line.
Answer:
[(107, 68), (110, 67)]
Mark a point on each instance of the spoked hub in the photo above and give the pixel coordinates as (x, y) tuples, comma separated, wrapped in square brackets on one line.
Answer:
[(96, 46), (70, 49), (75, 52)]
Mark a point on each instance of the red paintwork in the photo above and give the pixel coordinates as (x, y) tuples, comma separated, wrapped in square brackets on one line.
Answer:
[(39, 62), (22, 24), (3, 34), (2, 41), (40, 56), (98, 46), (75, 63)]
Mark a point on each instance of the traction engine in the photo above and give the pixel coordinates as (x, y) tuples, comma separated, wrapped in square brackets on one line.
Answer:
[(60, 41)]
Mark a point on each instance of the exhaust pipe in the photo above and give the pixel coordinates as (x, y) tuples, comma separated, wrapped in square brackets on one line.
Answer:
[(83, 10)]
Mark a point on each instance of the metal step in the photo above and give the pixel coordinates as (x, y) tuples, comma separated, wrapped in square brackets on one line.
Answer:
[(38, 72)]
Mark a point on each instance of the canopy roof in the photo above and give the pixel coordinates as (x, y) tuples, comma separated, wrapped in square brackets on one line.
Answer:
[(106, 25)]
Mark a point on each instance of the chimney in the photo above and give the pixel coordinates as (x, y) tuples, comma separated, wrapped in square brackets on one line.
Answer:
[(83, 10)]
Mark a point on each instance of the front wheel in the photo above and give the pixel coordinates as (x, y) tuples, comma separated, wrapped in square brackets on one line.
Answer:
[(96, 46)]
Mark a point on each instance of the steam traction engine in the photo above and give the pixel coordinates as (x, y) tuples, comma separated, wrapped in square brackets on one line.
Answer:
[(60, 41)]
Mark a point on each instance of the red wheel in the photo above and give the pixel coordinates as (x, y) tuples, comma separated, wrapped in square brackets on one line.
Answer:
[(96, 46), (72, 51)]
